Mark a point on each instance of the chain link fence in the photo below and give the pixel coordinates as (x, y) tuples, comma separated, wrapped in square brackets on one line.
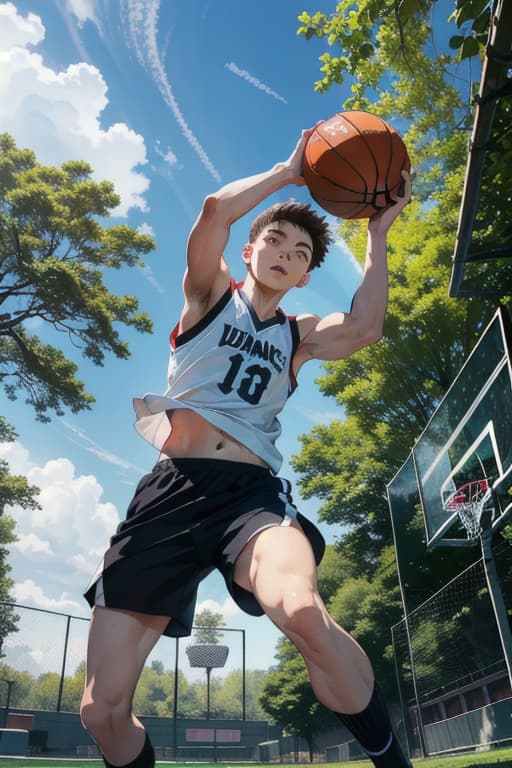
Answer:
[(43, 668), (450, 662)]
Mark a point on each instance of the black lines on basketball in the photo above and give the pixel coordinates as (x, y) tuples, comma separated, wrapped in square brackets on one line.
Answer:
[(353, 164)]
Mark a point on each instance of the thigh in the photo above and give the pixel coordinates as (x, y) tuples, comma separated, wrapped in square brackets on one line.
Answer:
[(273, 562), (118, 646)]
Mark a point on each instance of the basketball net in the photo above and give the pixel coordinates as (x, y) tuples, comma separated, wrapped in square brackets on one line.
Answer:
[(468, 502)]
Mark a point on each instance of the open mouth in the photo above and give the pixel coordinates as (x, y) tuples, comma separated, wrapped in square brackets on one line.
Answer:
[(279, 268)]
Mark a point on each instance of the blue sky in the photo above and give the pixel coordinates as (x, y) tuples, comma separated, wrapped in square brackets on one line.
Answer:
[(169, 101)]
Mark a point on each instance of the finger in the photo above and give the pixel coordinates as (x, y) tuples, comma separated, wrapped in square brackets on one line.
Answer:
[(405, 186)]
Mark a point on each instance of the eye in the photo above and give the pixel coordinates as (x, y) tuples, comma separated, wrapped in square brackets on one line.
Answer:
[(302, 254)]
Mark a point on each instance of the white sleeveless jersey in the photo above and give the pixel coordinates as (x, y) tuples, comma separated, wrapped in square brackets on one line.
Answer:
[(232, 369)]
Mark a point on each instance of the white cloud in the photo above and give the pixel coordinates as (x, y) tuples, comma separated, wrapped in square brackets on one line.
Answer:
[(245, 75), (170, 158), (17, 456), (141, 19), (29, 542), (57, 114), (72, 527), (84, 564), (15, 30), (146, 229), (29, 592), (167, 156), (228, 608), (83, 10), (321, 417)]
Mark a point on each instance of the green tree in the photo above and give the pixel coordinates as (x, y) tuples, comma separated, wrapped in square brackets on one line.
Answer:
[(72, 689), (8, 616), (155, 691), (228, 699), (45, 692), (55, 253), (207, 624), (389, 390), (23, 683), (14, 489), (192, 697), (288, 698), (373, 32)]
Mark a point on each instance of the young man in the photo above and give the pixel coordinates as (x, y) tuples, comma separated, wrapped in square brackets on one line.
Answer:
[(214, 499)]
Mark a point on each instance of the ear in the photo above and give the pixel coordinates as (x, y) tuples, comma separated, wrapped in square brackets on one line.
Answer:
[(303, 281), (247, 252)]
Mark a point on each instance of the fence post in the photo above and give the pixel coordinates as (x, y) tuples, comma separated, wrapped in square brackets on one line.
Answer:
[(175, 705), (63, 670), (243, 676)]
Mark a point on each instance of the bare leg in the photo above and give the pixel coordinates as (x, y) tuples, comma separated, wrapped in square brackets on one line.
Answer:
[(279, 568), (119, 644)]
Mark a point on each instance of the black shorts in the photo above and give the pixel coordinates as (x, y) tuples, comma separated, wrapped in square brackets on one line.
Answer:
[(188, 517)]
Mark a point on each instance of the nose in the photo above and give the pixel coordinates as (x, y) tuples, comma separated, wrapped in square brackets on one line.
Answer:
[(285, 254)]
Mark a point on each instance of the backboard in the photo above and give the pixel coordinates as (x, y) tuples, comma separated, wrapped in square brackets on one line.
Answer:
[(482, 258), (465, 450)]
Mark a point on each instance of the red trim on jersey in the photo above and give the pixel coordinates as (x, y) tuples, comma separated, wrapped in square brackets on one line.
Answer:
[(173, 335)]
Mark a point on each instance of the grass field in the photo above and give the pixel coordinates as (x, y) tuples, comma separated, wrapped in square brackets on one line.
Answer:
[(497, 758)]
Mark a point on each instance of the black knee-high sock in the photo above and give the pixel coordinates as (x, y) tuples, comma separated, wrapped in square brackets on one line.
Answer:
[(145, 759), (372, 729)]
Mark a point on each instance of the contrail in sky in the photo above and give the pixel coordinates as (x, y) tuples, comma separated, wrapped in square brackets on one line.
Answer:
[(245, 75), (141, 17)]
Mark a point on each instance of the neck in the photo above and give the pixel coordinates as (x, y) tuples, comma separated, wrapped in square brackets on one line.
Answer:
[(264, 300)]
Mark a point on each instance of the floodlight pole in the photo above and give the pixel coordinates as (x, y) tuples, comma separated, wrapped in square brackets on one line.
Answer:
[(495, 593)]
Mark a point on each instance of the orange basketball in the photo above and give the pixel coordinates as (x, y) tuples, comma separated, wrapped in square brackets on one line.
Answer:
[(353, 163)]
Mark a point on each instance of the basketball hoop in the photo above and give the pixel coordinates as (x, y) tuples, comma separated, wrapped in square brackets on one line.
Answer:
[(468, 502)]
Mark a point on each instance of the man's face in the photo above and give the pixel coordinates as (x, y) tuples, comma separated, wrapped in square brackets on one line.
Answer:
[(280, 256)]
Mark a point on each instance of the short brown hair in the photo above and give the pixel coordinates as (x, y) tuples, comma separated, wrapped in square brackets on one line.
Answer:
[(303, 216)]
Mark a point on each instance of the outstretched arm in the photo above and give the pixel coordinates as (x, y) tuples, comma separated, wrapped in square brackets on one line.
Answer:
[(339, 334), (210, 233)]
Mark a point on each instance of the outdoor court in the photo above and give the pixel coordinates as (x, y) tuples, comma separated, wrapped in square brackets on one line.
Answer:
[(498, 758)]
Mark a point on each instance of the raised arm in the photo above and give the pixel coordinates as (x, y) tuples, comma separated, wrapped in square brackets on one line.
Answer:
[(339, 334), (206, 271)]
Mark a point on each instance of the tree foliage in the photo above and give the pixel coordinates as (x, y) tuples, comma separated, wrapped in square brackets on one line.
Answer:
[(55, 253), (376, 31), (388, 391), (207, 624), (288, 698), (154, 694), (8, 616), (14, 489)]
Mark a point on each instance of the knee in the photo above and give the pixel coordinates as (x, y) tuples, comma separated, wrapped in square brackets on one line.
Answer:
[(92, 714), (102, 718)]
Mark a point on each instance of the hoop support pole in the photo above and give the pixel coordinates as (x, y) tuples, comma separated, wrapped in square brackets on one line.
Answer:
[(495, 593)]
